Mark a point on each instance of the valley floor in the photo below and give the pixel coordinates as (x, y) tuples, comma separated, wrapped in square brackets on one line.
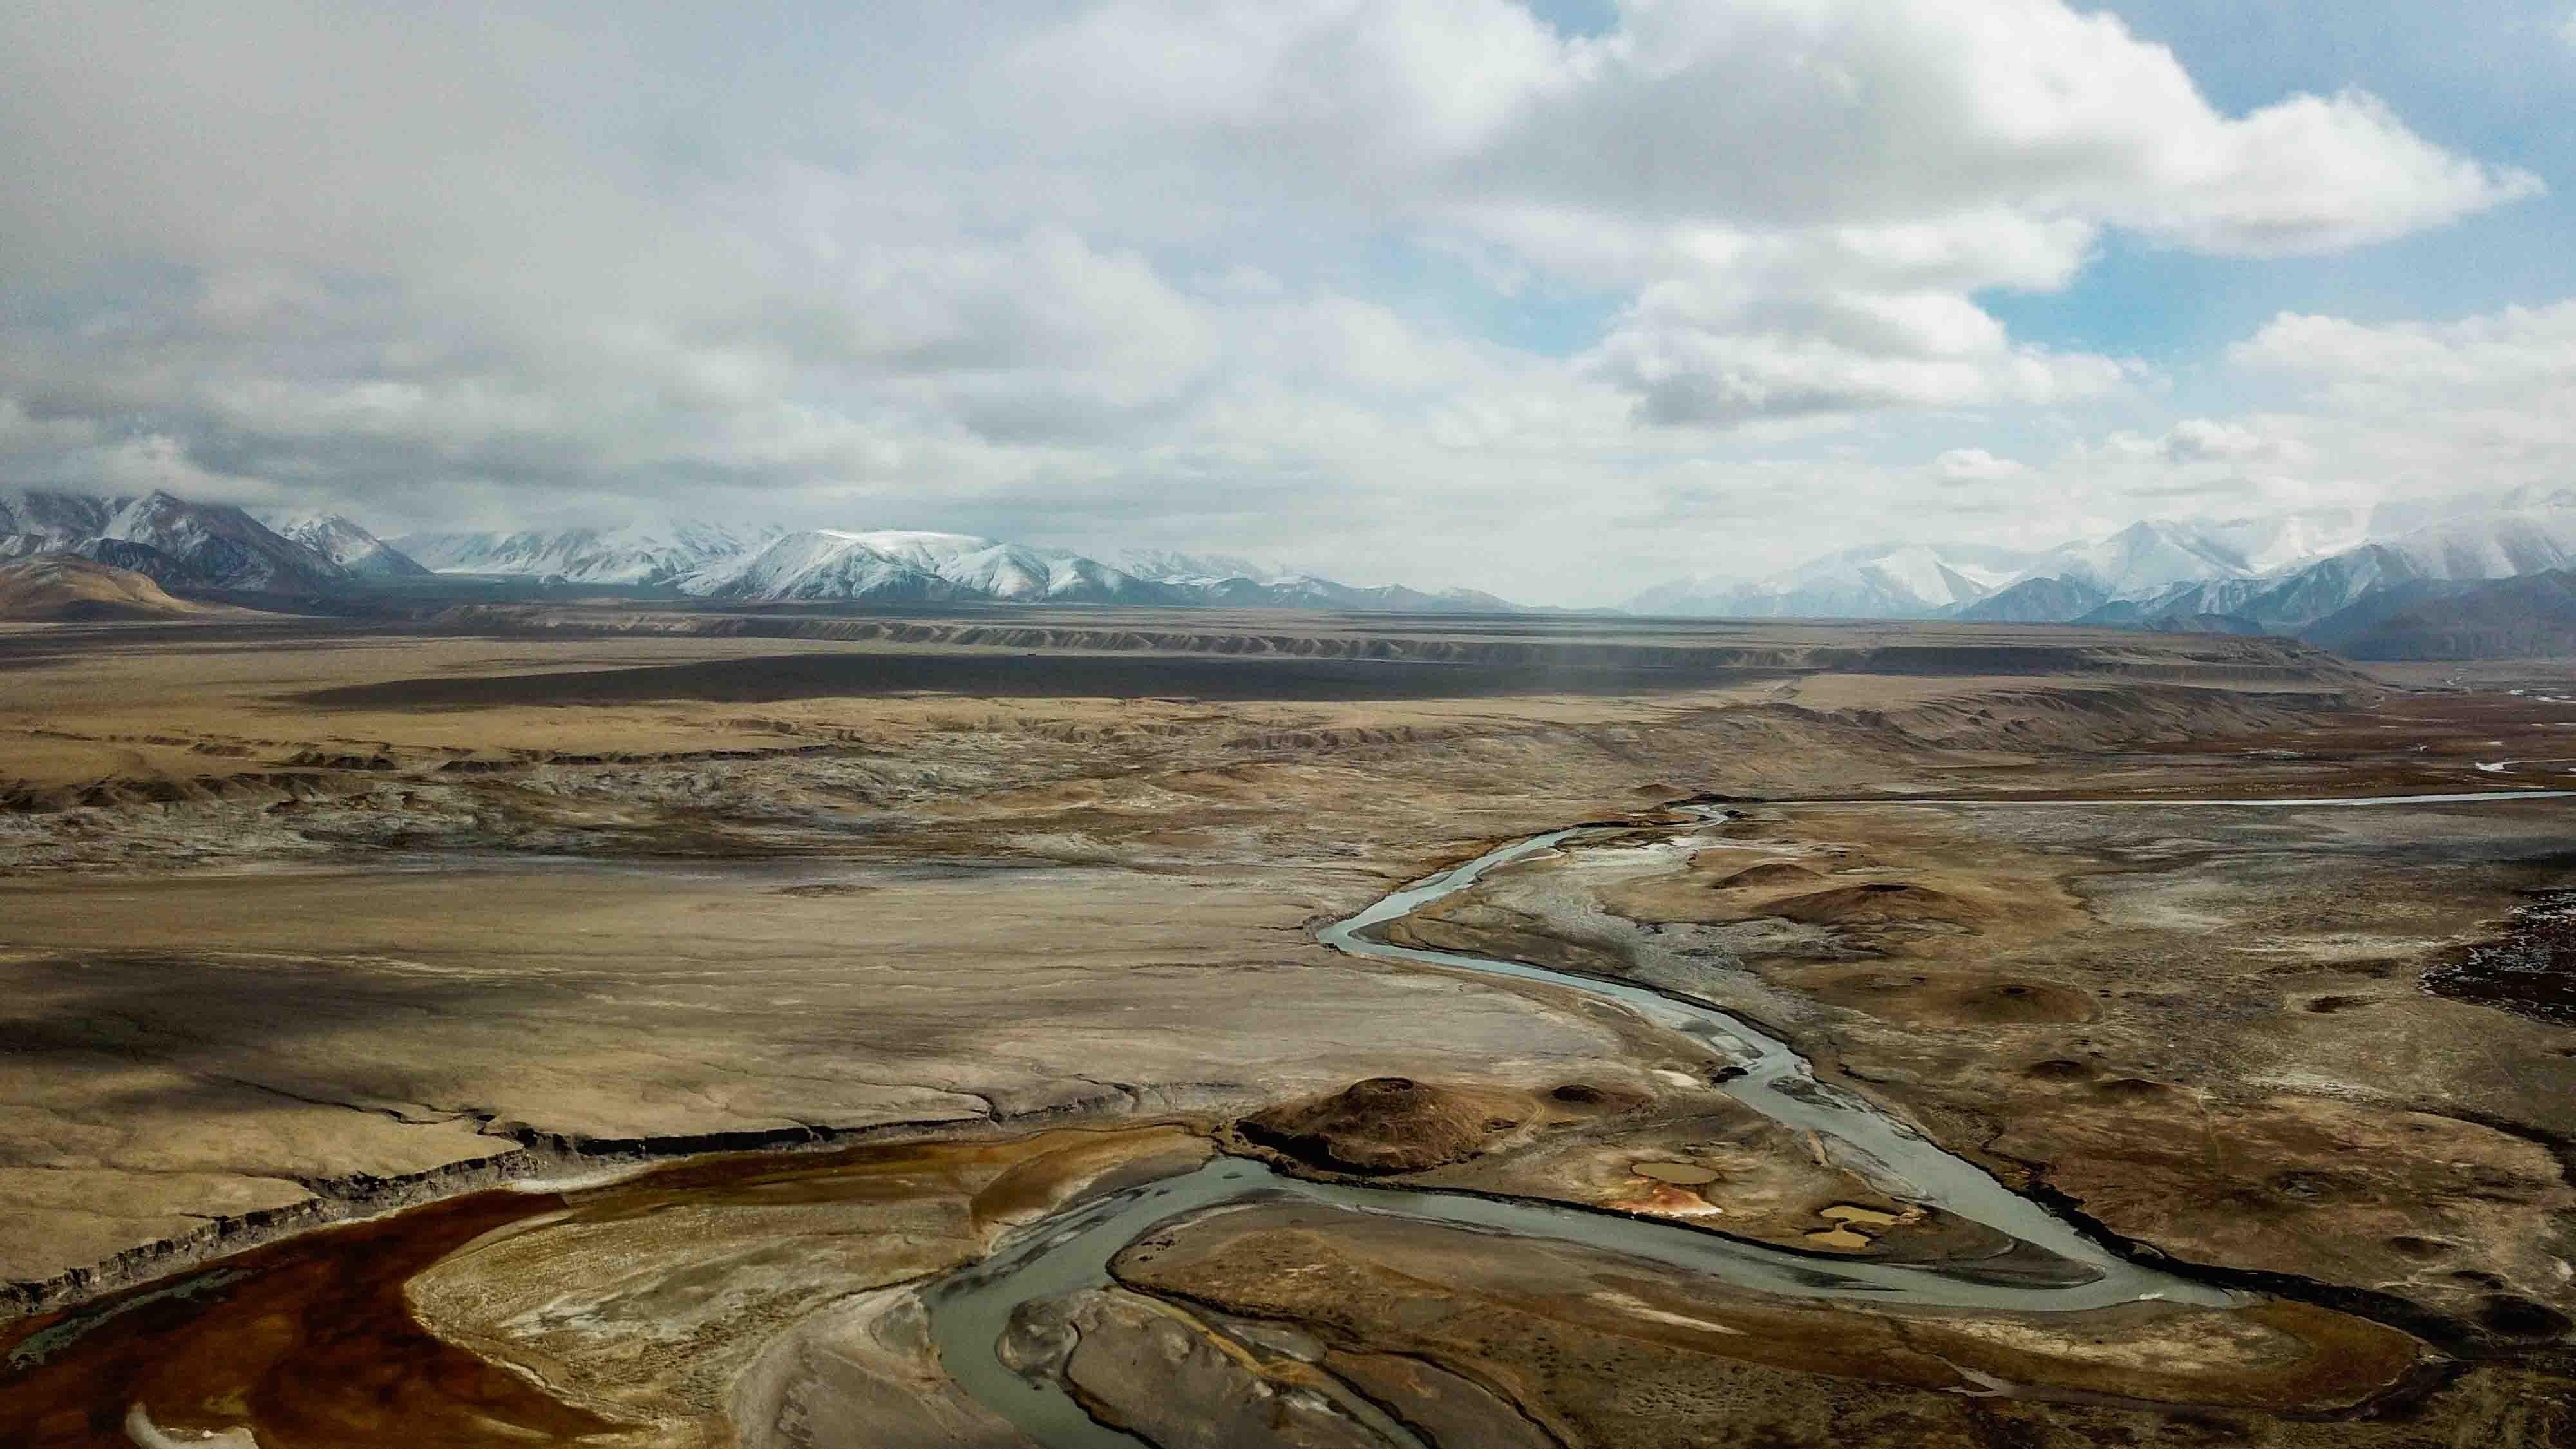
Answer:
[(300, 923)]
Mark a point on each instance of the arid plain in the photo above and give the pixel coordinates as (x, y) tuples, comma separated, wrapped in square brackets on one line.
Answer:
[(600, 1025)]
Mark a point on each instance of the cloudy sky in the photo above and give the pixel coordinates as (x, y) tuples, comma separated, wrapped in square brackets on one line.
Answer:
[(1555, 298)]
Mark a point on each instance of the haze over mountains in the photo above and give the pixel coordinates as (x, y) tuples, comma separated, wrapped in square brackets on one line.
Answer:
[(2283, 574), (219, 548), (2357, 581)]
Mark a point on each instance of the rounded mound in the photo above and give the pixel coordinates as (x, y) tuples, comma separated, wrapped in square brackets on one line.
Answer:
[(1876, 903), (1383, 1125), (2008, 1003), (1957, 999), (1768, 873), (2510, 1317)]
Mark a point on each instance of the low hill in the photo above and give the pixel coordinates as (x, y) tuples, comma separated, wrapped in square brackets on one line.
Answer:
[(66, 588)]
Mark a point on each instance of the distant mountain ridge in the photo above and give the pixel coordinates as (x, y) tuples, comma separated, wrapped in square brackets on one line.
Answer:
[(640, 553), (342, 541), (1872, 581), (901, 566), (1167, 567), (2527, 616), (2142, 557), (2331, 576), (2049, 600), (913, 566), (170, 540), (218, 548), (2285, 574)]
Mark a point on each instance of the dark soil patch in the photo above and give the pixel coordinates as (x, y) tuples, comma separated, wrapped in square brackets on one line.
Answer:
[(2529, 971)]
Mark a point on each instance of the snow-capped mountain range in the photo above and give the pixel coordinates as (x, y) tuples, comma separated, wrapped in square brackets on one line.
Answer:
[(1873, 581), (346, 544), (910, 566), (213, 547), (899, 566), (640, 553), (2288, 573), (1165, 566), (2280, 573), (173, 542)]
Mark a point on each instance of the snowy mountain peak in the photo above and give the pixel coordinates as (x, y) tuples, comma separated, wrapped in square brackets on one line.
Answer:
[(337, 538), (922, 542), (2143, 558), (2527, 533), (1939, 582), (1871, 581), (56, 518), (172, 540), (640, 552), (818, 564), (915, 565), (1166, 566)]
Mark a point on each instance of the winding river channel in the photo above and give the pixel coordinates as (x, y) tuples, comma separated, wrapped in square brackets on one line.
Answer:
[(2052, 1266)]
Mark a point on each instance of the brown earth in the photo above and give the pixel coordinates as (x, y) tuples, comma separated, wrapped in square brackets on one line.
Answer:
[(307, 921), (62, 587), (1396, 1124), (1598, 1354), (2203, 1027)]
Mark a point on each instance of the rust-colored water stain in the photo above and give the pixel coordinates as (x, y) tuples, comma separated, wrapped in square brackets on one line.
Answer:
[(311, 1343), (308, 1341)]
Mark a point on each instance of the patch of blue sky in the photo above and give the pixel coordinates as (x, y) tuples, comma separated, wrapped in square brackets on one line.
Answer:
[(2495, 81), (2139, 299), (1531, 311), (1578, 17)]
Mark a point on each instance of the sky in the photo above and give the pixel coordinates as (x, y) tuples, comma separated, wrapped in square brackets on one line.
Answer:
[(1557, 300)]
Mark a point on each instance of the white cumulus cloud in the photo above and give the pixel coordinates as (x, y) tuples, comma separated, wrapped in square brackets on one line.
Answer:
[(1976, 465), (1194, 272)]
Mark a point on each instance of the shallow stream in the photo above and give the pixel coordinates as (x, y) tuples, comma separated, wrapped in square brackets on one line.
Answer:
[(2052, 1266)]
